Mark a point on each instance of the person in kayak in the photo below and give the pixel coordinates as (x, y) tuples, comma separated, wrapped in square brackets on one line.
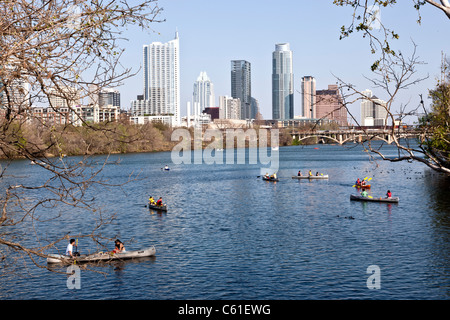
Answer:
[(299, 173), (358, 182), (69, 250), (364, 194), (119, 247), (388, 194), (159, 202)]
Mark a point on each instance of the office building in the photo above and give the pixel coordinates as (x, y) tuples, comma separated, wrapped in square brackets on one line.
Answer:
[(203, 95), (330, 105), (373, 110), (161, 81), (282, 83), (229, 108), (309, 97), (241, 87)]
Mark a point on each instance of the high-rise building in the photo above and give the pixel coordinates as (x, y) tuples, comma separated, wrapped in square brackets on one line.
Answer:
[(229, 108), (330, 105), (309, 97), (162, 79), (282, 82), (203, 96), (373, 110), (241, 86), (109, 97)]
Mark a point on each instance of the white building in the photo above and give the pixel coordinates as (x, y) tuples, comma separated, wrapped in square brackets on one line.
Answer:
[(229, 108), (373, 110), (203, 95), (161, 82)]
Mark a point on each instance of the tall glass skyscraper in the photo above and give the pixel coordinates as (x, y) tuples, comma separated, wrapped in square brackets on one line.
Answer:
[(241, 86), (282, 83), (162, 79)]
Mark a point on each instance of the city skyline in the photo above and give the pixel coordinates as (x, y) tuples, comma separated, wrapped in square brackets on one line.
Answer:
[(210, 43)]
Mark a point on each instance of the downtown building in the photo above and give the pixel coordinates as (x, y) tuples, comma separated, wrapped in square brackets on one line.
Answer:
[(373, 110), (330, 105), (309, 97), (241, 87), (161, 98), (282, 83), (203, 94)]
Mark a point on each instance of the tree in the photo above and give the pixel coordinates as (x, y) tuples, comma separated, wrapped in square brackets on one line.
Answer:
[(394, 71), (54, 52)]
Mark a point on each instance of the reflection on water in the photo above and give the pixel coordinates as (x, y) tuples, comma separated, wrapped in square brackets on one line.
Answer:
[(228, 234)]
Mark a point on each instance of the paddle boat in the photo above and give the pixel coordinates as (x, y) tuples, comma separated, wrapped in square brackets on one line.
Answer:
[(374, 199), (269, 178), (157, 207), (325, 176), (101, 256)]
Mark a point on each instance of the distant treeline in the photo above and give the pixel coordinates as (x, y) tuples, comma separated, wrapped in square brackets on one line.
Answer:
[(27, 140), (34, 140)]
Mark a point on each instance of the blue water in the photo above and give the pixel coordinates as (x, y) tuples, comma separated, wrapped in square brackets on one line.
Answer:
[(230, 235)]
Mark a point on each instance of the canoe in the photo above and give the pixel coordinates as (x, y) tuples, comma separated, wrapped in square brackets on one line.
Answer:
[(367, 186), (269, 179), (374, 199), (156, 207), (310, 177), (102, 256)]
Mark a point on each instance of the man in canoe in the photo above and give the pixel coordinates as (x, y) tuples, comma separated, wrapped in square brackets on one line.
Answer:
[(70, 251), (159, 202), (388, 194), (151, 200), (299, 173), (310, 173), (364, 193)]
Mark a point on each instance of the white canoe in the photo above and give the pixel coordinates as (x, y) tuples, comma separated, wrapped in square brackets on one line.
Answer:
[(102, 256), (325, 176), (374, 199)]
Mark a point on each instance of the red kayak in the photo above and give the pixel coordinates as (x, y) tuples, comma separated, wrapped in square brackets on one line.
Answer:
[(367, 186)]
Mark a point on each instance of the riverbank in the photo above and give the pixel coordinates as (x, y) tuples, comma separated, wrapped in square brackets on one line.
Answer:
[(32, 141)]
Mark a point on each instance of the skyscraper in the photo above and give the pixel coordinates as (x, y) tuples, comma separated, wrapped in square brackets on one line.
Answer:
[(309, 97), (162, 78), (241, 86), (330, 105), (373, 110), (203, 96), (282, 83)]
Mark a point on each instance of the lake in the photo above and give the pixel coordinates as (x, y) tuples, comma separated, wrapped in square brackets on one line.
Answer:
[(229, 235)]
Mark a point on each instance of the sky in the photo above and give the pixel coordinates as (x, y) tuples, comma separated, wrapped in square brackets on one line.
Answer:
[(212, 33)]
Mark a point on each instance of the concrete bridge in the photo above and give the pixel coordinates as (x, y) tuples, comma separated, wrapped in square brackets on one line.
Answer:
[(352, 135)]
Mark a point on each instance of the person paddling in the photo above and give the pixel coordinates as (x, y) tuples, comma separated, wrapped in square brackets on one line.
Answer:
[(364, 194), (119, 247), (70, 251), (159, 202), (388, 194)]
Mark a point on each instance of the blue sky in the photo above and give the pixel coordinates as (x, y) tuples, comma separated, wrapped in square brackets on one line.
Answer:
[(212, 33)]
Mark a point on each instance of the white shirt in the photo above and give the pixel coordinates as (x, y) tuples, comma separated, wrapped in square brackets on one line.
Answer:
[(69, 249)]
